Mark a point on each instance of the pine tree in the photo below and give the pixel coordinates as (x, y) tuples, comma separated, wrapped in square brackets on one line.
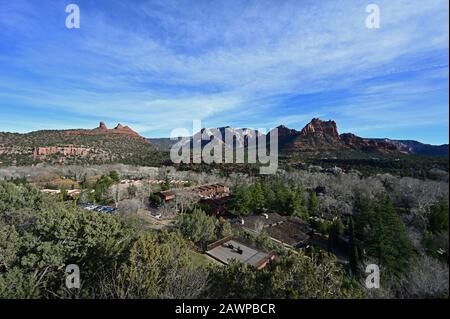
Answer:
[(242, 201), (438, 219), (313, 206), (353, 249), (383, 234), (258, 198)]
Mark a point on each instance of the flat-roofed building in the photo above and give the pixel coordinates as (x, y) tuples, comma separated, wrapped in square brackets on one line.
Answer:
[(228, 249), (291, 231)]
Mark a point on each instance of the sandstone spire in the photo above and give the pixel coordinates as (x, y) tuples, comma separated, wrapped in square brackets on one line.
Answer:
[(102, 126)]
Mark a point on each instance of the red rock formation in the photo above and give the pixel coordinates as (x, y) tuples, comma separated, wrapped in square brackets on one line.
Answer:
[(285, 131), (102, 126), (358, 143), (102, 129), (125, 130), (317, 126)]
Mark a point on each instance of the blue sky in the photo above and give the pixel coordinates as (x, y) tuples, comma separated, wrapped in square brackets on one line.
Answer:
[(157, 65)]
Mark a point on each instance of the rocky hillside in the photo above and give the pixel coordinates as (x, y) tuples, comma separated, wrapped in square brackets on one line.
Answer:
[(417, 148), (123, 145), (322, 137), (94, 146)]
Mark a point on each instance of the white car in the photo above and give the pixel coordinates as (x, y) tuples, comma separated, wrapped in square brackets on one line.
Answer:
[(157, 215)]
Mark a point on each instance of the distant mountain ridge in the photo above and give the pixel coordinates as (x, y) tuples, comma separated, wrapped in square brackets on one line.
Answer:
[(124, 145), (418, 148), (323, 137)]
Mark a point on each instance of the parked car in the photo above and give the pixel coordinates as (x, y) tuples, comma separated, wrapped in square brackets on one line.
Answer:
[(156, 215)]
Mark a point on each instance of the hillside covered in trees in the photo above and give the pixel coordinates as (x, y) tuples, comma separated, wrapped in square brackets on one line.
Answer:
[(96, 146), (40, 237)]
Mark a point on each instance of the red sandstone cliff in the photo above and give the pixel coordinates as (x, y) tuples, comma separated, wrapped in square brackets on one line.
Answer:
[(319, 127), (103, 129)]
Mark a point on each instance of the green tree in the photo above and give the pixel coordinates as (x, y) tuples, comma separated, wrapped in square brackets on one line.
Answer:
[(383, 235), (155, 264), (313, 204), (242, 201), (353, 249), (197, 226), (41, 236), (438, 218), (10, 243), (166, 186), (132, 190), (101, 186), (291, 276), (15, 284), (19, 180), (224, 228), (86, 196), (115, 177), (64, 195), (322, 226), (295, 203), (269, 196), (257, 197), (335, 230), (155, 199)]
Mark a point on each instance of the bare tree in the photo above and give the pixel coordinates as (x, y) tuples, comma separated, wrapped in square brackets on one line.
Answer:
[(117, 193), (129, 207), (428, 278), (186, 283), (185, 200)]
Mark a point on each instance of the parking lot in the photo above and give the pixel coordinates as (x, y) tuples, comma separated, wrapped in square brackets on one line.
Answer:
[(99, 208)]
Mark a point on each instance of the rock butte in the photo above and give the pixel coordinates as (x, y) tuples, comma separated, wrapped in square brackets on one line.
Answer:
[(103, 129)]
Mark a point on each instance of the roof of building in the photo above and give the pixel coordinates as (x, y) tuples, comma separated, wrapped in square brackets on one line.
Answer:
[(166, 193), (225, 254), (289, 233), (289, 230), (252, 221)]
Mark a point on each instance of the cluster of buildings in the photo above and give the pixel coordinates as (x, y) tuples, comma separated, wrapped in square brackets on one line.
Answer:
[(211, 191), (176, 183), (290, 231)]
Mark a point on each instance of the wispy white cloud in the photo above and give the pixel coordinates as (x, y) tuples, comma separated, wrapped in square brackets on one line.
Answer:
[(161, 64)]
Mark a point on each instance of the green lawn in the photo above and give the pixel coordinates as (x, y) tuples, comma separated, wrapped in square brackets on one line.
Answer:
[(202, 259)]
